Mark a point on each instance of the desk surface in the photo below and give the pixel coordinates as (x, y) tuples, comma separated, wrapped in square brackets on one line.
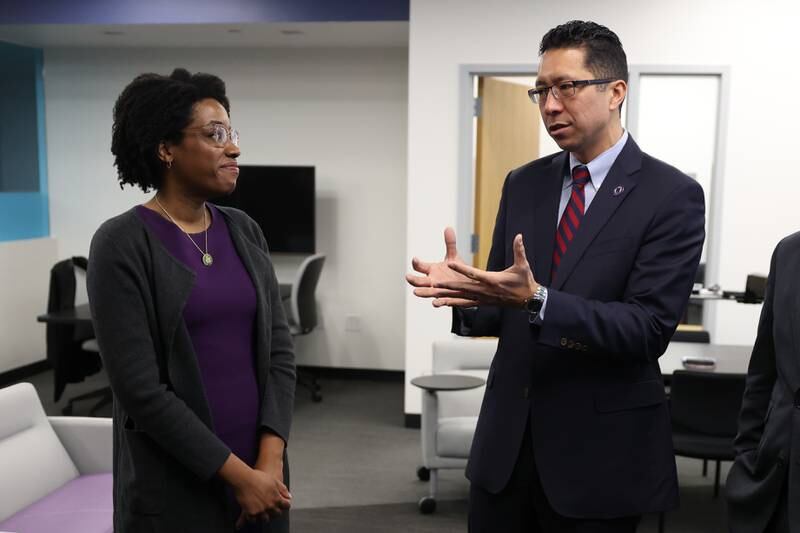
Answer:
[(730, 359), (78, 315), (738, 297)]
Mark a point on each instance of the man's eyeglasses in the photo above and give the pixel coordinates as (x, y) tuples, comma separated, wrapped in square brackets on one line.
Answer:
[(563, 90), (220, 134)]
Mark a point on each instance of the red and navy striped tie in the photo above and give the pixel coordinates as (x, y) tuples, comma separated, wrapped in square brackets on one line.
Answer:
[(572, 217)]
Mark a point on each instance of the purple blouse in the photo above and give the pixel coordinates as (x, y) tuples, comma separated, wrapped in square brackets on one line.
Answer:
[(220, 316)]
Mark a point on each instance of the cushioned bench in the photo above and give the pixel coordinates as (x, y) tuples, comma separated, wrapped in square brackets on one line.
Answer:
[(56, 472)]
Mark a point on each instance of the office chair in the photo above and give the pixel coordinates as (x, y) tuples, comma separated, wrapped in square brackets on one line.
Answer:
[(72, 349), (704, 409), (301, 310), (449, 417)]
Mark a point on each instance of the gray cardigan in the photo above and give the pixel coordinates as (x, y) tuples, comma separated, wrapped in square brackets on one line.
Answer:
[(166, 454)]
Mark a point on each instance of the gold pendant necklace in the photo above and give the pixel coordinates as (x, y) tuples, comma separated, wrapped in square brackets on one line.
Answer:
[(208, 260)]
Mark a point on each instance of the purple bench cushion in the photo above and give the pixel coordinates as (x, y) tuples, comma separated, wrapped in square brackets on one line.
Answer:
[(83, 505)]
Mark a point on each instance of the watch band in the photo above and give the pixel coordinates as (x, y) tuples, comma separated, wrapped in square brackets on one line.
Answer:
[(534, 304)]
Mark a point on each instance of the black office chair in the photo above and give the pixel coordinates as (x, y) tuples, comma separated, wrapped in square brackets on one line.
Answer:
[(704, 408), (72, 350), (301, 310), (702, 337)]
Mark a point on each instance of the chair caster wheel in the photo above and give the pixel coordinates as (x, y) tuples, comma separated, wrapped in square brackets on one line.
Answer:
[(423, 474), (427, 505)]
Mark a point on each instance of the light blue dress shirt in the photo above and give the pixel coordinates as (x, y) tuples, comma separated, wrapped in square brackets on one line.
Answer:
[(598, 170)]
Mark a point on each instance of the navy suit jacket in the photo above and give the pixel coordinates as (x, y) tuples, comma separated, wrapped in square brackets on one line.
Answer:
[(768, 442), (587, 379)]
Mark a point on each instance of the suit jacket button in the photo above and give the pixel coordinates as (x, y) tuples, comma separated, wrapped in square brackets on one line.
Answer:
[(563, 341)]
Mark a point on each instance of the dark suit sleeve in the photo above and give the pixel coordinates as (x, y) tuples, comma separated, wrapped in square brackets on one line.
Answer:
[(484, 321), (278, 402), (761, 374), (639, 326), (128, 350)]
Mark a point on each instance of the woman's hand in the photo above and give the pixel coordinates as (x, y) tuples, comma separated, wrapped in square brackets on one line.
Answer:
[(263, 496), (260, 494)]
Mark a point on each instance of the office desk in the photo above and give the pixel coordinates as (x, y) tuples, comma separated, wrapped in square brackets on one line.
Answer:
[(730, 359), (79, 315)]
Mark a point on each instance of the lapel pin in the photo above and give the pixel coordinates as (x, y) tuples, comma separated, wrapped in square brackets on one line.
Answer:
[(619, 189)]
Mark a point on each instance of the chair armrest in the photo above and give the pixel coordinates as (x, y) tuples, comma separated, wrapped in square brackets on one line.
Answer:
[(88, 441)]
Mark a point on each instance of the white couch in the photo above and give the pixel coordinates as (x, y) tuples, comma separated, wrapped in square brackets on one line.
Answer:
[(449, 418), (55, 473)]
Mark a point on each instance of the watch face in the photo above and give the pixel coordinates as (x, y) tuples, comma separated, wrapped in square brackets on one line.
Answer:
[(534, 305)]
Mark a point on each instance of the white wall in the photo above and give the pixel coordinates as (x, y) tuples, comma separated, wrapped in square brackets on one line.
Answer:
[(342, 110), (761, 184), (25, 271)]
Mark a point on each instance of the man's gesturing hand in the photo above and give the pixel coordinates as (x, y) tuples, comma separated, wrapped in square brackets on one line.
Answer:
[(428, 285), (468, 286)]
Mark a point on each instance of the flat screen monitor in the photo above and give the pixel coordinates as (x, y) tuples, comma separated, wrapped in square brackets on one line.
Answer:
[(281, 200)]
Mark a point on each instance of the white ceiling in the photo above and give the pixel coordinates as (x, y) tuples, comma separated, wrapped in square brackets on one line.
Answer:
[(272, 35)]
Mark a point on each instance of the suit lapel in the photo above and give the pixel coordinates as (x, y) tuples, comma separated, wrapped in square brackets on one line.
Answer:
[(790, 365), (619, 182), (547, 195)]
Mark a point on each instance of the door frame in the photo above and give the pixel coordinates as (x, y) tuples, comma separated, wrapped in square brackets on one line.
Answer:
[(714, 204), (465, 203)]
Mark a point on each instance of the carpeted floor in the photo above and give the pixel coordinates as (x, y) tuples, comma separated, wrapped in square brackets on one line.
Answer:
[(354, 466)]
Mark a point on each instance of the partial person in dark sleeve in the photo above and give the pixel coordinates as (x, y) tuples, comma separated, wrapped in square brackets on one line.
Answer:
[(763, 486), (188, 317), (574, 433)]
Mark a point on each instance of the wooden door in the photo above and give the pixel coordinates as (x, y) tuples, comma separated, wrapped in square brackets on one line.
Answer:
[(507, 137)]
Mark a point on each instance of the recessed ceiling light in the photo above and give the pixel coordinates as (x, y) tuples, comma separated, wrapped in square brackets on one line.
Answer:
[(292, 32), (113, 32)]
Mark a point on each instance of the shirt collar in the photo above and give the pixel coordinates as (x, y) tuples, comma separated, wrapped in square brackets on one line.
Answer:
[(600, 165)]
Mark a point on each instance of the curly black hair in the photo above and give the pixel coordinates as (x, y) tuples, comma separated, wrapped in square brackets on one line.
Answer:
[(605, 57), (153, 109)]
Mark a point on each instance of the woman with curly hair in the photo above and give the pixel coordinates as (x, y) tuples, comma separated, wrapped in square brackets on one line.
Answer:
[(188, 316)]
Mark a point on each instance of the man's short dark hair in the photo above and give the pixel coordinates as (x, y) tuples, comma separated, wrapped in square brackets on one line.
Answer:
[(153, 109), (604, 55)]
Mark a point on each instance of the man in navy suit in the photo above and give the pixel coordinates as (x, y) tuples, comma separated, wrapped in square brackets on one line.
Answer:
[(763, 486), (574, 432)]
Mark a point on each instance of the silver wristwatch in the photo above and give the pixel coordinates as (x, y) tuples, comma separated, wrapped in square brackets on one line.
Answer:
[(533, 305)]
